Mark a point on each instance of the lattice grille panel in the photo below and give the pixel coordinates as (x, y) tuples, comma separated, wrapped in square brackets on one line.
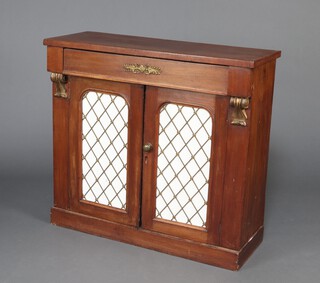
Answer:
[(183, 164), (104, 149)]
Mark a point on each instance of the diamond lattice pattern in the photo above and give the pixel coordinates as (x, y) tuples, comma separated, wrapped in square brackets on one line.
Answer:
[(104, 149), (183, 164)]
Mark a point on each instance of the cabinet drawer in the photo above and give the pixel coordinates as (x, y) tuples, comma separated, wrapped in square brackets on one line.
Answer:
[(157, 72)]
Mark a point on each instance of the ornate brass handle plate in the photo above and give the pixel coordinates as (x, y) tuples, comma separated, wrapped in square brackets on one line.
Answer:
[(142, 69)]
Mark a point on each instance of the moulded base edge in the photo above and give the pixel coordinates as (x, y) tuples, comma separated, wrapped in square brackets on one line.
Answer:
[(209, 254)]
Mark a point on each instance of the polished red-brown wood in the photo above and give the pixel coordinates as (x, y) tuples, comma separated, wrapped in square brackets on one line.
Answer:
[(178, 75), (165, 49), (55, 59), (209, 254), (258, 150), (200, 75), (60, 151)]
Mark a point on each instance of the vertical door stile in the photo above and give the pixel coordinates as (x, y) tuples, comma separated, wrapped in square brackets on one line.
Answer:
[(149, 158)]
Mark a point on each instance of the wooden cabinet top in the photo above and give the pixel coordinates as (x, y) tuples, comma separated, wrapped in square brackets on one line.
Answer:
[(165, 49)]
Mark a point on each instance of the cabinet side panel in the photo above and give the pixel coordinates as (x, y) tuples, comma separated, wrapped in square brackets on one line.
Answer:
[(261, 104), (61, 151)]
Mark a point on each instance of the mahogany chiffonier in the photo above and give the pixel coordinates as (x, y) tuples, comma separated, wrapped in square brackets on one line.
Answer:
[(162, 144)]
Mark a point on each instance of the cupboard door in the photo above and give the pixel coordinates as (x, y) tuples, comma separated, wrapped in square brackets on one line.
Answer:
[(184, 144), (105, 149)]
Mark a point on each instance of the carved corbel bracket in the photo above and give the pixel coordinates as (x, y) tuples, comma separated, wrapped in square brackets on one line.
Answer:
[(60, 81), (239, 116)]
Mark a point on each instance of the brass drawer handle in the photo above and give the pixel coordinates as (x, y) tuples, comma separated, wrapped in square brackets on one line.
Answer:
[(144, 69)]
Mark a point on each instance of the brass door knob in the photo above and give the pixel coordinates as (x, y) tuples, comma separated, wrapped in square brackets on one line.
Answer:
[(147, 147)]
